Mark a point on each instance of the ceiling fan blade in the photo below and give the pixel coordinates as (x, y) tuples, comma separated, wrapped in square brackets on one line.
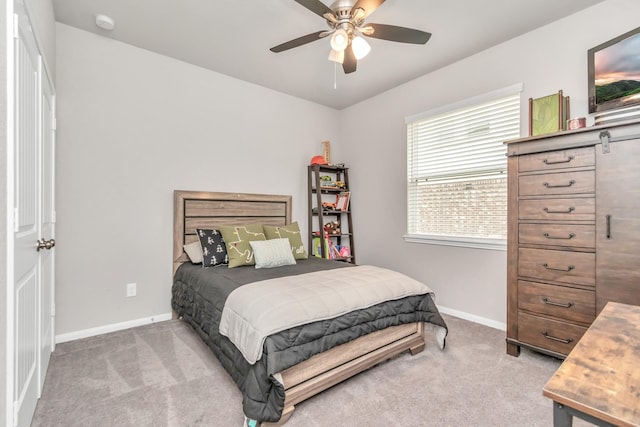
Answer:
[(299, 41), (315, 6), (368, 6), (350, 63), (398, 34)]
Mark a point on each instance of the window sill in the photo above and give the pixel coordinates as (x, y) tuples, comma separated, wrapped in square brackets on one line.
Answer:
[(464, 242)]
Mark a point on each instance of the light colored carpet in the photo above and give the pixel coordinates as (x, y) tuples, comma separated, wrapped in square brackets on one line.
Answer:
[(164, 375)]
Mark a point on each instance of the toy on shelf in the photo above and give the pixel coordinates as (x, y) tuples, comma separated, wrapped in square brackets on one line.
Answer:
[(317, 160), (345, 252), (332, 227), (326, 182), (329, 205)]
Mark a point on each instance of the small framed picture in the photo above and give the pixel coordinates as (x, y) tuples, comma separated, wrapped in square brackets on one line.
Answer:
[(342, 201), (548, 114)]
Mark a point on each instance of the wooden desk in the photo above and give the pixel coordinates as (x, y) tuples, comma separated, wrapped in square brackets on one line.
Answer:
[(600, 379)]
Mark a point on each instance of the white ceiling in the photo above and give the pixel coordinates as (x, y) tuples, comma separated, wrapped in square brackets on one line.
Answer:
[(233, 37)]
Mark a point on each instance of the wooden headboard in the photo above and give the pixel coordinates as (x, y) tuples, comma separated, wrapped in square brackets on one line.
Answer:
[(203, 209)]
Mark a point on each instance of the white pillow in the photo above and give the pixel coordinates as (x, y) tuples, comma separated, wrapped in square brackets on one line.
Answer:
[(272, 253), (194, 252)]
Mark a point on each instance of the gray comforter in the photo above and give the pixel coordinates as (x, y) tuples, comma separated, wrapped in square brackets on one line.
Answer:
[(199, 294)]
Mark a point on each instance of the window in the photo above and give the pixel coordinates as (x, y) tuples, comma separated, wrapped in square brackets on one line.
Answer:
[(457, 171)]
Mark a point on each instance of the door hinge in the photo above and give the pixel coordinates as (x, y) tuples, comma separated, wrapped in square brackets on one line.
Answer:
[(53, 217), (54, 124), (16, 221), (16, 26), (53, 309), (605, 138)]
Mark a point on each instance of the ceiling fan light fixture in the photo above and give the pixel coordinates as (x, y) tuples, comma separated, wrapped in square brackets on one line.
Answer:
[(339, 40), (336, 56), (360, 47), (346, 24)]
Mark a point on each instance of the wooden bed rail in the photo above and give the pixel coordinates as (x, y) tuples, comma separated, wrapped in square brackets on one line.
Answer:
[(327, 369)]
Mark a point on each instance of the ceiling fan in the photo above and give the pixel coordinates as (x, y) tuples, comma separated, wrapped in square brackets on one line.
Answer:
[(345, 19)]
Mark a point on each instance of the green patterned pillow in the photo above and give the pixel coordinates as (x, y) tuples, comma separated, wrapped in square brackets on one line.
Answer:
[(237, 239), (291, 232)]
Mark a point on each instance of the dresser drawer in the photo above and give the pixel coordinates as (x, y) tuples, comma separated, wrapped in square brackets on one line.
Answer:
[(575, 305), (550, 334), (574, 236), (559, 266), (583, 182), (564, 209), (572, 158)]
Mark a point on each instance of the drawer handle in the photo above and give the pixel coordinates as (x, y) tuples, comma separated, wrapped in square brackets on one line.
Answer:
[(557, 304), (571, 209), (569, 268), (546, 184), (555, 162), (569, 237), (562, 340)]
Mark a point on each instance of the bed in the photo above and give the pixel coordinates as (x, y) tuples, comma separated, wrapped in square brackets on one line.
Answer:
[(301, 361)]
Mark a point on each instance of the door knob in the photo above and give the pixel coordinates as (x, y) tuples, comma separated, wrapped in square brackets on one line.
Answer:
[(45, 244)]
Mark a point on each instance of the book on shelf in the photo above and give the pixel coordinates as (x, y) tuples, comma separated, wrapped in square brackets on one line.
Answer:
[(330, 249), (317, 247), (334, 253)]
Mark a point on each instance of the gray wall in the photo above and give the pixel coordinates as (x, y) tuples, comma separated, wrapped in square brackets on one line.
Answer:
[(472, 281), (134, 125)]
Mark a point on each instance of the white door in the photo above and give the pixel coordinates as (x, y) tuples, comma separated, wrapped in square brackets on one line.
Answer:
[(47, 228), (33, 184)]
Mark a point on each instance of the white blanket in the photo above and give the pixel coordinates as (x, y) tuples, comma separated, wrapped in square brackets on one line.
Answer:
[(254, 311)]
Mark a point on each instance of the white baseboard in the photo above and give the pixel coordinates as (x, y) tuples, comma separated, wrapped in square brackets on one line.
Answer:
[(86, 333), (473, 318), (71, 336)]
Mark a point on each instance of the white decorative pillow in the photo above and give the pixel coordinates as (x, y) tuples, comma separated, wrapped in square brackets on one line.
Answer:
[(272, 253), (194, 252)]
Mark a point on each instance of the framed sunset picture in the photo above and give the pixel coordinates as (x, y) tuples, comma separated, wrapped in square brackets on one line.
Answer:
[(614, 73)]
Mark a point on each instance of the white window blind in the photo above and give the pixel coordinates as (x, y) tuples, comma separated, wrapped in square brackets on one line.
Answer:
[(457, 170)]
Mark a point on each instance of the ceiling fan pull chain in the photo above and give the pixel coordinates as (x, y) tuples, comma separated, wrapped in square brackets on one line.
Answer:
[(335, 76)]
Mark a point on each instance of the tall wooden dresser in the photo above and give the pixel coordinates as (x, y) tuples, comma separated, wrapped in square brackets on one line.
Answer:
[(574, 233)]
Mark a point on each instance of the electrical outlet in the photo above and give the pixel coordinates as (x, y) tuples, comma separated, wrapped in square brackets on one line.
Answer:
[(131, 289)]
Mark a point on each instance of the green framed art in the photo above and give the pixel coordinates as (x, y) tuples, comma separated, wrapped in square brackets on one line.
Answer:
[(548, 114)]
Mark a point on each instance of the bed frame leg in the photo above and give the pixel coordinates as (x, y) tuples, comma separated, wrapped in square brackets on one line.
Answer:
[(286, 414), (417, 348), (420, 344)]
